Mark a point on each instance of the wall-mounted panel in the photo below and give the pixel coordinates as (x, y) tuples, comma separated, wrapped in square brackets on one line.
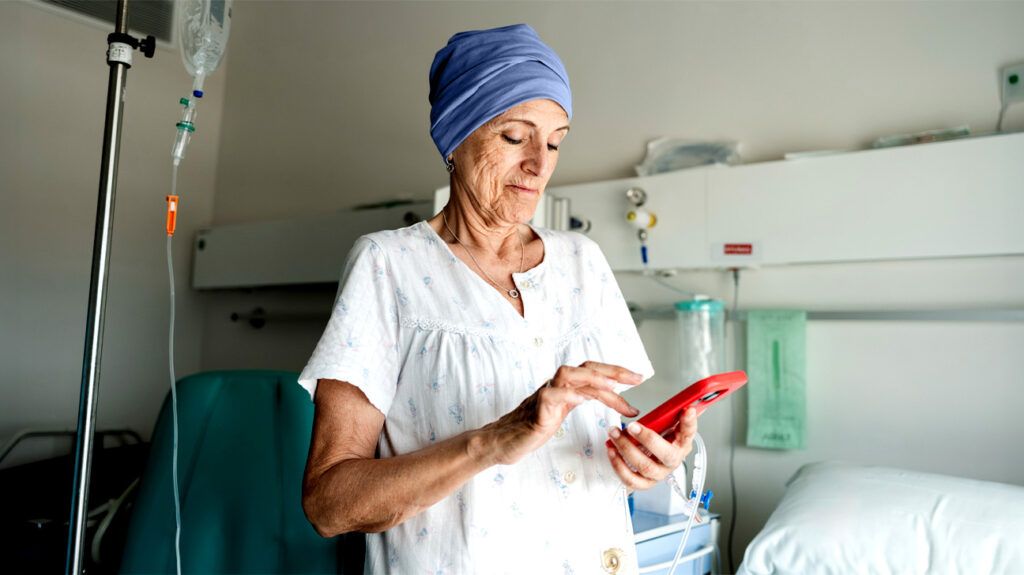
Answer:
[(290, 252), (950, 199), (678, 240), (962, 198)]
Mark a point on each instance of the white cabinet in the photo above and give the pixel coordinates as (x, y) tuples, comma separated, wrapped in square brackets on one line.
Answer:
[(307, 250), (657, 540), (961, 198)]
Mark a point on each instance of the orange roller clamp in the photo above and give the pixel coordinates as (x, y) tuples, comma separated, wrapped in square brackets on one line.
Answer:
[(172, 214)]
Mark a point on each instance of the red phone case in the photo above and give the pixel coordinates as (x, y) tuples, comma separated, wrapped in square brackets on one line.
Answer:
[(700, 395)]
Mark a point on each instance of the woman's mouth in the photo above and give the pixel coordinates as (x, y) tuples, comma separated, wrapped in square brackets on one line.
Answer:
[(523, 189)]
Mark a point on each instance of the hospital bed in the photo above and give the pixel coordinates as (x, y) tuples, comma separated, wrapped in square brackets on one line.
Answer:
[(842, 518)]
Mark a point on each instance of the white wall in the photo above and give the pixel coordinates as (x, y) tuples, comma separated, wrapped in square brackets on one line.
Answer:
[(53, 94)]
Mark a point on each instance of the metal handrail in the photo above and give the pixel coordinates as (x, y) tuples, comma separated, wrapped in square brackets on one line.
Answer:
[(29, 433), (979, 315)]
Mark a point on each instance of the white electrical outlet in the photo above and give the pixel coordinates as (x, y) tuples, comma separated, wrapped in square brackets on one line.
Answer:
[(1012, 84)]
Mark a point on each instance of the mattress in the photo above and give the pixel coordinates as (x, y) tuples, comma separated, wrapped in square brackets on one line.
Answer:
[(842, 518)]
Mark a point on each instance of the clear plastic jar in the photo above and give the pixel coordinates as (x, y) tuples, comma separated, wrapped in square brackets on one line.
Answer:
[(701, 325)]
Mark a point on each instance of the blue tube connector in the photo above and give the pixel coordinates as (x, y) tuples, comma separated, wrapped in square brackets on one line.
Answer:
[(705, 499)]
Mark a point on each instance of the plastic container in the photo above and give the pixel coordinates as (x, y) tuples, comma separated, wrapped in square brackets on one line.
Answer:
[(701, 325), (671, 154)]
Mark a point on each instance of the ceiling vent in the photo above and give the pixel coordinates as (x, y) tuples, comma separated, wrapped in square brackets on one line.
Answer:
[(146, 17)]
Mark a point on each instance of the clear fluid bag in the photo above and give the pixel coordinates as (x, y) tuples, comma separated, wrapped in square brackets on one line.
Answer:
[(203, 27), (701, 326)]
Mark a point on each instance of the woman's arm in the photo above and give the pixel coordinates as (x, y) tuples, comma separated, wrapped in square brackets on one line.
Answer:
[(346, 489)]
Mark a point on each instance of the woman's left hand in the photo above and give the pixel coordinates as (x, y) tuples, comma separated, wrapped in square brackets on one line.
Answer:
[(641, 467)]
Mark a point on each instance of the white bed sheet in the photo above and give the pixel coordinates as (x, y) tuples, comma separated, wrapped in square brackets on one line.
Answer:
[(841, 518)]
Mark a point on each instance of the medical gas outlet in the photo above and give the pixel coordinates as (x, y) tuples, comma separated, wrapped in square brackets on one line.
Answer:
[(641, 219)]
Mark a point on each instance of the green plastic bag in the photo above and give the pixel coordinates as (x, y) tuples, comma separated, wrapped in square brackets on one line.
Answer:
[(777, 368)]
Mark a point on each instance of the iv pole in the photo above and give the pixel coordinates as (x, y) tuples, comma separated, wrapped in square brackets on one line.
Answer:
[(119, 58)]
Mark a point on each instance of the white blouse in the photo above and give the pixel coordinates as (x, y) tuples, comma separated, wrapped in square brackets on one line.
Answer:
[(439, 351)]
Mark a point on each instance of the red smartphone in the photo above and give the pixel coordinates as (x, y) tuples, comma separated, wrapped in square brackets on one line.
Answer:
[(700, 395)]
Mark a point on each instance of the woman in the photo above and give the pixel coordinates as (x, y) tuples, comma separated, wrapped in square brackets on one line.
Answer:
[(482, 357)]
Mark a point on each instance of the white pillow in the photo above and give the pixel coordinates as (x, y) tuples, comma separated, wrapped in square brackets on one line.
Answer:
[(841, 518)]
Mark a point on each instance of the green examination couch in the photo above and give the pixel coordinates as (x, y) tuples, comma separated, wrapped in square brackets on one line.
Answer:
[(243, 439)]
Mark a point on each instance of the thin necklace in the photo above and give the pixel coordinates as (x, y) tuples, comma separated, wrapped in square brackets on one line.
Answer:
[(512, 293)]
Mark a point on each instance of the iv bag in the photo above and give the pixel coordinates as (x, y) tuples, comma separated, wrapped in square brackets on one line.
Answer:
[(203, 27)]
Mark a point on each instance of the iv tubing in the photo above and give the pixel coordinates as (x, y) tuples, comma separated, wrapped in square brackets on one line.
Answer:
[(174, 394), (701, 451)]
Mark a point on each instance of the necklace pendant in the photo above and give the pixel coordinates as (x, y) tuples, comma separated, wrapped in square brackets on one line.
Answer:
[(513, 293)]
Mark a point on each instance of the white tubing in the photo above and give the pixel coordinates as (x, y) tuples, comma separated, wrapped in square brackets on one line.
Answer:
[(174, 394), (699, 474)]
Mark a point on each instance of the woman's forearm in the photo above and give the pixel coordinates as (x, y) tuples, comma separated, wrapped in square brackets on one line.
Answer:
[(361, 494)]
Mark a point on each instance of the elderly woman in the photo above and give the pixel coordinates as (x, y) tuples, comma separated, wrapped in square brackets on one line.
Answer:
[(480, 357)]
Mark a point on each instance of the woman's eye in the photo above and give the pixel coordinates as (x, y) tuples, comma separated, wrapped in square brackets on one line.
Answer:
[(553, 147), (511, 140)]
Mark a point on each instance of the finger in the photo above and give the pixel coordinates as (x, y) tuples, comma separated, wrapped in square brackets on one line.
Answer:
[(568, 376), (684, 429), (688, 426), (644, 464), (611, 399), (594, 385), (629, 478), (668, 453), (618, 373)]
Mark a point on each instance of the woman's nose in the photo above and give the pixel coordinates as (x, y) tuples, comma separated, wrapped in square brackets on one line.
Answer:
[(537, 161)]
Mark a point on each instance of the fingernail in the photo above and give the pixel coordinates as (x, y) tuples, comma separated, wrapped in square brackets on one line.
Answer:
[(636, 377), (634, 410), (634, 428), (614, 432)]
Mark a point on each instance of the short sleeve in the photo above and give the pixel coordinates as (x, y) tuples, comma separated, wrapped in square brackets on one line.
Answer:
[(360, 343), (622, 345)]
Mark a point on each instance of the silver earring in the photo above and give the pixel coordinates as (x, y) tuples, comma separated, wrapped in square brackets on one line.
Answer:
[(449, 164)]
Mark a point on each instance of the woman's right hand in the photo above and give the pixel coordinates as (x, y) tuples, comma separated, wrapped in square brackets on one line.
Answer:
[(538, 417)]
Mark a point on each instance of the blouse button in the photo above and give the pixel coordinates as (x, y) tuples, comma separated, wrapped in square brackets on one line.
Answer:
[(569, 476), (560, 433), (538, 341), (611, 560)]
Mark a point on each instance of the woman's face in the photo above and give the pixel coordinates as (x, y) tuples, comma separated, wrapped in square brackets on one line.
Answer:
[(503, 167)]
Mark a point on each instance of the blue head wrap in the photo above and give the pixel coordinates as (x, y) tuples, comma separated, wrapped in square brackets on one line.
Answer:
[(482, 73)]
